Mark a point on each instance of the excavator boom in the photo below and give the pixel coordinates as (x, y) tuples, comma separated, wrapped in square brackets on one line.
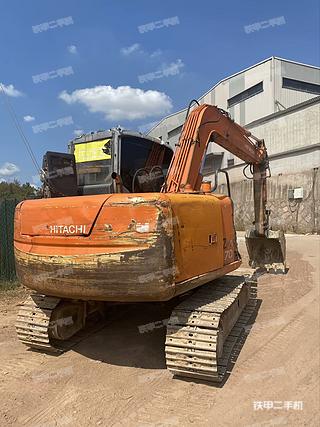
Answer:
[(208, 123)]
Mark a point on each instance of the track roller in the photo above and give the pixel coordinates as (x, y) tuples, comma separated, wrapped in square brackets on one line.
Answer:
[(203, 329)]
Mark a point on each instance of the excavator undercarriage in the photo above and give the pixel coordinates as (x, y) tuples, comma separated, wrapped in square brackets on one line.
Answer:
[(202, 331), (204, 328), (44, 323)]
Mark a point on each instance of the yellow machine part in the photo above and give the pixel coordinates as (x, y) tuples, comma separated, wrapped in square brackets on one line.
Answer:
[(201, 228)]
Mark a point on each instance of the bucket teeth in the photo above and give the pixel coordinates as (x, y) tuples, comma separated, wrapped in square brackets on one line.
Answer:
[(267, 252), (204, 328)]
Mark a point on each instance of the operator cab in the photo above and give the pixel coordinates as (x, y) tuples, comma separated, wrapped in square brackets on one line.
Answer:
[(107, 162)]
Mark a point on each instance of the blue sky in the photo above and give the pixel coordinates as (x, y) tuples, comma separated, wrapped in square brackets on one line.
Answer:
[(101, 49)]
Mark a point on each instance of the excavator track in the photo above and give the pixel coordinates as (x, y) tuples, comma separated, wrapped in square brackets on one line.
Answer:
[(33, 322), (54, 325), (204, 328)]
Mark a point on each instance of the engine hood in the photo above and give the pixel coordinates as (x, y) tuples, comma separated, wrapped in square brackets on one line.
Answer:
[(74, 216)]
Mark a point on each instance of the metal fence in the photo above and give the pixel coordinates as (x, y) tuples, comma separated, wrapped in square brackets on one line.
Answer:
[(7, 265)]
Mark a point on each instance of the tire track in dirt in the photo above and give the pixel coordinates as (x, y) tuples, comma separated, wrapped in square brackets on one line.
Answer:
[(49, 412), (277, 344), (16, 368), (178, 401), (290, 315), (134, 404)]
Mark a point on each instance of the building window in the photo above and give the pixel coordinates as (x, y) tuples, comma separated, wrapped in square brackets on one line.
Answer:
[(212, 163), (230, 162), (300, 85), (248, 93), (175, 132)]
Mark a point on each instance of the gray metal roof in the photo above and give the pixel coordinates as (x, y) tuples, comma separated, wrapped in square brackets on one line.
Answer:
[(233, 75), (103, 134)]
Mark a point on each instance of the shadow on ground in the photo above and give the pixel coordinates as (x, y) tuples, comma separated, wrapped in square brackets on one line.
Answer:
[(134, 335), (131, 335)]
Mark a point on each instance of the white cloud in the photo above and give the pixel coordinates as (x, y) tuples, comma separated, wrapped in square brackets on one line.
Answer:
[(73, 49), (78, 132), (28, 118), (10, 90), (130, 49), (8, 169), (121, 103)]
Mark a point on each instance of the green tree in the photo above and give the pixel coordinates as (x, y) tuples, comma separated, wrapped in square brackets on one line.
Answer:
[(16, 190)]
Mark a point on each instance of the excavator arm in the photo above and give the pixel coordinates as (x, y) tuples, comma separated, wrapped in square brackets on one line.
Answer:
[(208, 123)]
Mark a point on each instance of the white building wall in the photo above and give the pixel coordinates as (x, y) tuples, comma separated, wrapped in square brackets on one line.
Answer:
[(297, 129), (296, 162), (289, 97), (260, 105), (292, 140)]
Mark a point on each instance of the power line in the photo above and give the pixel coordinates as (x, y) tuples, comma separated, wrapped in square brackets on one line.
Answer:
[(19, 129)]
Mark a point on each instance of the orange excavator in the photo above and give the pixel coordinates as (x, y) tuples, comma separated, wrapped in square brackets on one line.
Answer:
[(77, 252)]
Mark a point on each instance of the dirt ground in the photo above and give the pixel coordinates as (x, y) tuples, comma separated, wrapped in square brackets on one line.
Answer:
[(117, 375)]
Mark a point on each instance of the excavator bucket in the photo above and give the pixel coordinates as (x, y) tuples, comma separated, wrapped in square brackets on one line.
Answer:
[(268, 252)]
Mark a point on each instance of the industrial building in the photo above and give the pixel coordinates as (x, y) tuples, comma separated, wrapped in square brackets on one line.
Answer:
[(277, 100)]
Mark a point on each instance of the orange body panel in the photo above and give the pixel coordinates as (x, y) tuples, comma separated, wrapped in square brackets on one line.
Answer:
[(124, 247)]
